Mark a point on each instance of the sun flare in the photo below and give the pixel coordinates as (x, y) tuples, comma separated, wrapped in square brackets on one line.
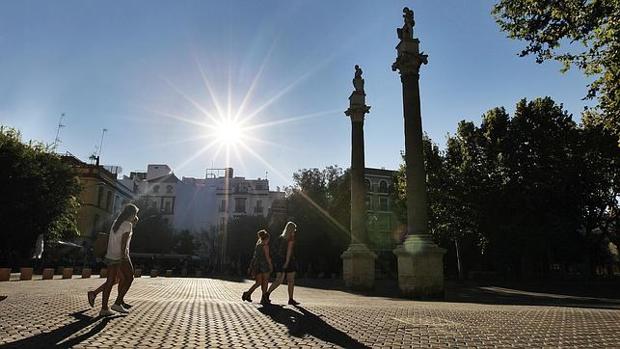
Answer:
[(228, 132)]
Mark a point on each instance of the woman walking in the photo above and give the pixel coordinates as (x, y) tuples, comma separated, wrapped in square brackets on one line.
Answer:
[(260, 267), (284, 262), (117, 260)]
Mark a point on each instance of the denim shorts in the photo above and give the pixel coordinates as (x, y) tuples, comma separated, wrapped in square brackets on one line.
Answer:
[(110, 262)]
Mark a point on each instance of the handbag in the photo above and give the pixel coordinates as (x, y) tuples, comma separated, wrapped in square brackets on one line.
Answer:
[(100, 247)]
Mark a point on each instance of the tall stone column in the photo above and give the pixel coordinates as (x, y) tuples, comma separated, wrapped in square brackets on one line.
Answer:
[(420, 260), (358, 261)]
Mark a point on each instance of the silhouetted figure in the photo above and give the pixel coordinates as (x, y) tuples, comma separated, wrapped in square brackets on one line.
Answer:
[(260, 268), (118, 262), (285, 262)]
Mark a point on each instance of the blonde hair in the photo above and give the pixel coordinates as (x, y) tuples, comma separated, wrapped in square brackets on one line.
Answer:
[(262, 236), (285, 234)]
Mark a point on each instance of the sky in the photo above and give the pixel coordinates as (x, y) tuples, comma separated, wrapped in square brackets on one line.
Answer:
[(158, 75)]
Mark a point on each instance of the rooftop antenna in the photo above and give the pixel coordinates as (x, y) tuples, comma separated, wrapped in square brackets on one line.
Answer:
[(60, 125), (266, 173), (103, 131)]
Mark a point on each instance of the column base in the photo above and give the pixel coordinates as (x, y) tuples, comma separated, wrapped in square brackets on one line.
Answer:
[(420, 268), (358, 264)]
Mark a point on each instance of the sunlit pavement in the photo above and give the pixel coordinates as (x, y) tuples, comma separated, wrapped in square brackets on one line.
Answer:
[(174, 312)]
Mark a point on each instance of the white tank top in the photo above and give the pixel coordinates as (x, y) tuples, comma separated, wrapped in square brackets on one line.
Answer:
[(115, 241)]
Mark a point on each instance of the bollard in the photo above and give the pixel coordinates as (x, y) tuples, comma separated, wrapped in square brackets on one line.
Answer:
[(154, 273), (169, 273), (103, 273), (5, 274), (47, 274), (137, 273), (25, 274), (86, 272), (67, 273)]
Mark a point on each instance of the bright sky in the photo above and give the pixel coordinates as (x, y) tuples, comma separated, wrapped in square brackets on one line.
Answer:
[(151, 71)]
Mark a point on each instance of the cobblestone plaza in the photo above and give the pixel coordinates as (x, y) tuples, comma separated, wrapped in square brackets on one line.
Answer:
[(208, 313)]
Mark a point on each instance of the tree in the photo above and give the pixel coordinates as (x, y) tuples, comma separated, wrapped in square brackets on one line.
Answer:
[(241, 237), (515, 195), (152, 234), (183, 243), (39, 196), (319, 202), (589, 30)]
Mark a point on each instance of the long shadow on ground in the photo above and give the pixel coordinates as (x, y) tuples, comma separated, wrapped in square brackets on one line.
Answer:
[(52, 339), (303, 322), (602, 295), (524, 295)]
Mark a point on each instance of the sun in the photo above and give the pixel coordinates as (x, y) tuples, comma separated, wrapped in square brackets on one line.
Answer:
[(228, 132)]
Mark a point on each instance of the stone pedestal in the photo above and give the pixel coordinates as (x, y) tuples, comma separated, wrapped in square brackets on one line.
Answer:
[(86, 273), (67, 273), (103, 273), (420, 268), (5, 274), (137, 272), (358, 264), (154, 273), (25, 273), (47, 274)]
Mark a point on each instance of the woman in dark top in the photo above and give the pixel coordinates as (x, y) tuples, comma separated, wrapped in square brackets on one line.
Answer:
[(284, 261), (260, 267)]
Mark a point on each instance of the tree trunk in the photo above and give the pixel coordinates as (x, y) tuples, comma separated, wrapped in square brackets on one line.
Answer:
[(458, 260)]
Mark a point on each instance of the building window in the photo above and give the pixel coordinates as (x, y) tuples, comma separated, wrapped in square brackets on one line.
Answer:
[(259, 207), (99, 196), (108, 203), (383, 204), (169, 189), (95, 227), (368, 201), (368, 186), (383, 187), (167, 208), (223, 206), (156, 189), (239, 205)]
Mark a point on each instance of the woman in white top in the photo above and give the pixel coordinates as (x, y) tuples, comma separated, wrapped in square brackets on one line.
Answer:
[(117, 259)]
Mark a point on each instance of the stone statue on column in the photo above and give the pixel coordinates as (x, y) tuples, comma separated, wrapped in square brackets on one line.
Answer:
[(358, 262), (420, 260)]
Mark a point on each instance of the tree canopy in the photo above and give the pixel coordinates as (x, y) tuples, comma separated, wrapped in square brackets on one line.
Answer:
[(39, 196), (519, 193), (581, 33)]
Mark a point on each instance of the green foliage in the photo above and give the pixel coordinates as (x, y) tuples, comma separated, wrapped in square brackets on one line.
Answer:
[(319, 202), (39, 195), (523, 192), (588, 29), (241, 235), (152, 234), (184, 243)]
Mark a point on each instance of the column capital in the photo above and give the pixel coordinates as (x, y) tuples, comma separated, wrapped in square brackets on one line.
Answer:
[(357, 112), (409, 63)]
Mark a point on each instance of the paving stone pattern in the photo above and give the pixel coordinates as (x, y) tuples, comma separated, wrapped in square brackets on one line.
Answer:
[(208, 313)]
